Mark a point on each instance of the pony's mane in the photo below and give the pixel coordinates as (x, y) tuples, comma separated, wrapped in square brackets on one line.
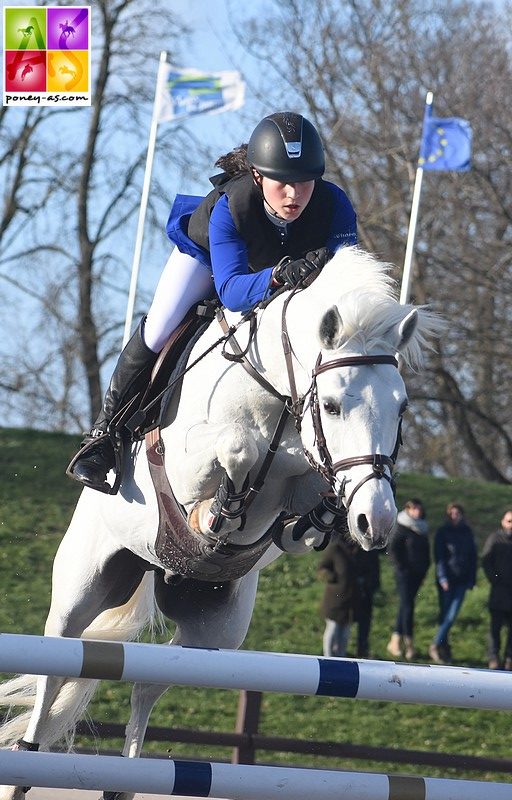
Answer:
[(369, 308)]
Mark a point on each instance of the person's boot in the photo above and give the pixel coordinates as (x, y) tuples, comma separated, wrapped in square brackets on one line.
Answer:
[(410, 652), (131, 372), (393, 646)]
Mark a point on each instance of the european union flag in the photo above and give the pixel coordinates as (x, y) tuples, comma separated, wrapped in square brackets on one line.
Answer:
[(445, 143)]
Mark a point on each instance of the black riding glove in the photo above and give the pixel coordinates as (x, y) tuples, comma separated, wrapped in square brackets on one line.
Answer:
[(289, 272)]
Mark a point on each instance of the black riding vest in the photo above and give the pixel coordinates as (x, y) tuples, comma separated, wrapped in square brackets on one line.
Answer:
[(265, 246)]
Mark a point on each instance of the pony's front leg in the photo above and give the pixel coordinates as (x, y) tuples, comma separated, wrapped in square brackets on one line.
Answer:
[(235, 452), (144, 697)]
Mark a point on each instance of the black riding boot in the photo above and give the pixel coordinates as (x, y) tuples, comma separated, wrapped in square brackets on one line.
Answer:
[(131, 372)]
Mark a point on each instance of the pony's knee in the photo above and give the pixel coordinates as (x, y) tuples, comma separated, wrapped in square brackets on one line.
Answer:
[(237, 452)]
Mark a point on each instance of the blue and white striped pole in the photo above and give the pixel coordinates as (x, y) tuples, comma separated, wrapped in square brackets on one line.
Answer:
[(254, 671), (209, 779)]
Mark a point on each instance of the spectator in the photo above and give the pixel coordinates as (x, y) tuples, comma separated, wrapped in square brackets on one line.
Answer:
[(456, 561), (497, 565), (352, 577), (409, 552)]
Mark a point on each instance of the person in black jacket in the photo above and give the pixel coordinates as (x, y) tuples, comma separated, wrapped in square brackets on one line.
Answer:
[(497, 565), (409, 551), (456, 562), (352, 577)]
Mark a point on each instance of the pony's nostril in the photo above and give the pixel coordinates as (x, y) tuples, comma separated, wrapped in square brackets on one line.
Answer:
[(362, 523)]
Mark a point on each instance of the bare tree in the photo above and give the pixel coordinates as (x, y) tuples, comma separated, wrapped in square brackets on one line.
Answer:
[(360, 70)]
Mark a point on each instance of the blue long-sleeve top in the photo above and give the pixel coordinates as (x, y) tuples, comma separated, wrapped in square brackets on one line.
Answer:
[(238, 287)]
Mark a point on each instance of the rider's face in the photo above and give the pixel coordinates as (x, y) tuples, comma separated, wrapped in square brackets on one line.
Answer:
[(288, 200)]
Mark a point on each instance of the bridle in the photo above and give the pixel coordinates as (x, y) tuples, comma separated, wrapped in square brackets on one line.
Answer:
[(294, 405), (325, 466)]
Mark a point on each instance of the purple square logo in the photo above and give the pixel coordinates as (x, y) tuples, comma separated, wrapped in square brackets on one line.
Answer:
[(68, 28)]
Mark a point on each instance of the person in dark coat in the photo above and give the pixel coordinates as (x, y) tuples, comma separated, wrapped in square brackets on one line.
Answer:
[(409, 551), (352, 577), (456, 562), (497, 565)]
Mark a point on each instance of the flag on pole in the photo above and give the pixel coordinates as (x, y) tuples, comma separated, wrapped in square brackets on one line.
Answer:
[(187, 92), (445, 143)]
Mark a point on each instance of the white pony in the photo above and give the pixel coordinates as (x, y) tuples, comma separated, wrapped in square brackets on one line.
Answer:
[(326, 355)]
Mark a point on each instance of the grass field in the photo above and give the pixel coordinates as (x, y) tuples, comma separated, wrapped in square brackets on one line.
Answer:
[(36, 502)]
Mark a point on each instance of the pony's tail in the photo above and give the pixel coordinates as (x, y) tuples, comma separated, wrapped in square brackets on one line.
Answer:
[(119, 624), (124, 624)]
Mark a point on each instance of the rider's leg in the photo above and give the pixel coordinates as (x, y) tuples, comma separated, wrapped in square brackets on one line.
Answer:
[(130, 374), (184, 281)]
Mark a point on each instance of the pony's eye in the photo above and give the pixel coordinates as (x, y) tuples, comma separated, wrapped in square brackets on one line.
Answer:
[(332, 408)]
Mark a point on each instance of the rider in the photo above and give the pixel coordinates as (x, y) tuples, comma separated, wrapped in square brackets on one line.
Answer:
[(270, 220)]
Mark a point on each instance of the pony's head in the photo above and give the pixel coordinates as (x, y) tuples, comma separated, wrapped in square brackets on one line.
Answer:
[(358, 396)]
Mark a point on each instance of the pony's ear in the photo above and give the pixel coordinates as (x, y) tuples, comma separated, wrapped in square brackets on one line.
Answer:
[(406, 328), (331, 328)]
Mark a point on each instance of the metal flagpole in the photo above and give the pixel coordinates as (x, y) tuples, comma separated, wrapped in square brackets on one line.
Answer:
[(143, 203), (411, 236)]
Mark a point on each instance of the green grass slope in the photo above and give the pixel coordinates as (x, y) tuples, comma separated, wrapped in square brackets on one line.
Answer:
[(36, 503)]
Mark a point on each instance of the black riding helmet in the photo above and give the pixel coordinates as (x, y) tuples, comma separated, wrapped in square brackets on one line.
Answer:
[(287, 148)]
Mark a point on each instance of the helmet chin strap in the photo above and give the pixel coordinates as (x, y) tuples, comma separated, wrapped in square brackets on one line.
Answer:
[(260, 187), (274, 212)]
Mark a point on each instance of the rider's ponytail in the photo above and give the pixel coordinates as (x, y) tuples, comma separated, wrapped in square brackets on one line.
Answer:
[(235, 162)]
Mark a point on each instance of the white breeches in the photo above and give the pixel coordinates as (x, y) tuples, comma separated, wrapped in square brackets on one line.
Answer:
[(183, 282)]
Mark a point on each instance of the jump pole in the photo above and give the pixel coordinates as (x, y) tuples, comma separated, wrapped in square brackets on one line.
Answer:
[(210, 779), (256, 671)]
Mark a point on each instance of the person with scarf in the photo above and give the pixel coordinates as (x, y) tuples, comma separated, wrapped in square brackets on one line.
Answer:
[(409, 551)]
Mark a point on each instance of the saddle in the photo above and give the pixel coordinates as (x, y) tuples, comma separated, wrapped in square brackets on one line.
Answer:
[(183, 552), (168, 369)]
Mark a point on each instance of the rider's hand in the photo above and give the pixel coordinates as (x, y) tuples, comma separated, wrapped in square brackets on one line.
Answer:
[(289, 272), (319, 257)]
